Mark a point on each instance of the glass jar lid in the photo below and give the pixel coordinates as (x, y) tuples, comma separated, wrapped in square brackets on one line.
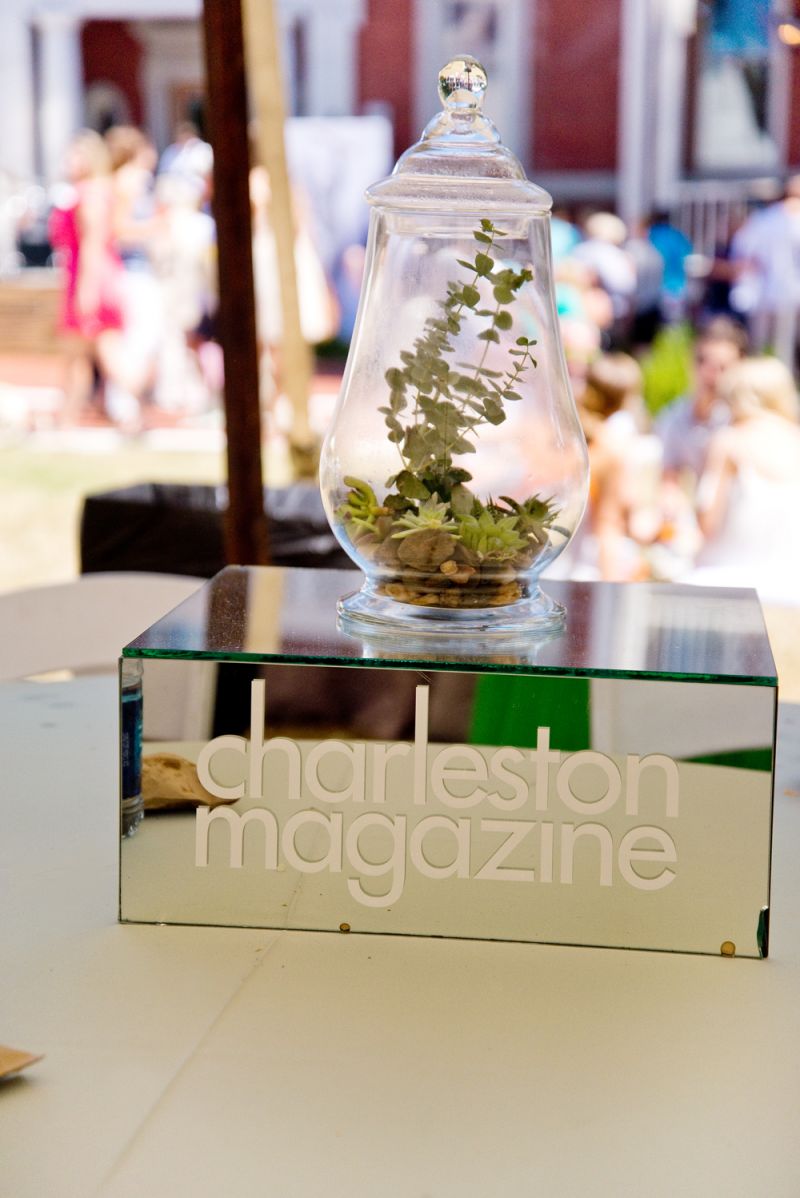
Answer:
[(460, 162)]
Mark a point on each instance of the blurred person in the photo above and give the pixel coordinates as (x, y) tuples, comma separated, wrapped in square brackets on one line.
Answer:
[(602, 252), (133, 160), (564, 234), (319, 315), (137, 225), (189, 158), (749, 496), (80, 229), (647, 299), (674, 248), (9, 223), (581, 341), (579, 295), (685, 426), (766, 288), (184, 258), (584, 314), (348, 278), (624, 468), (720, 277)]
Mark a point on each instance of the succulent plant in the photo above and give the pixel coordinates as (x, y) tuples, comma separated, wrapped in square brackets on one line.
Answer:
[(491, 536), (534, 516), (360, 508), (430, 514)]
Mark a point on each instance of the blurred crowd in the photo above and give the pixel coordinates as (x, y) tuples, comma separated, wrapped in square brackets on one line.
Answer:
[(134, 239), (702, 487), (705, 489)]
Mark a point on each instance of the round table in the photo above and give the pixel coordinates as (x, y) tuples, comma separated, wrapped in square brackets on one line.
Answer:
[(190, 1061)]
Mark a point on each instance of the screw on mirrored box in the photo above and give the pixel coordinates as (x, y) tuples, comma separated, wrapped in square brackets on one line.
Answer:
[(344, 927), (728, 948)]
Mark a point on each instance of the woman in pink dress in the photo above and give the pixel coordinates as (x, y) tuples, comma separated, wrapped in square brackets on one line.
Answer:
[(81, 233)]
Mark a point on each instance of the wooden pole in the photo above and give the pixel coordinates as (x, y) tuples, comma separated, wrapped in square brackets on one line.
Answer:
[(266, 89), (246, 534)]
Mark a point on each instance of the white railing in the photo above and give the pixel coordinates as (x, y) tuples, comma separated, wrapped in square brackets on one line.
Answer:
[(709, 210)]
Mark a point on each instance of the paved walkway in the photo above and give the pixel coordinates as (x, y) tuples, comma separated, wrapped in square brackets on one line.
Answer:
[(31, 403)]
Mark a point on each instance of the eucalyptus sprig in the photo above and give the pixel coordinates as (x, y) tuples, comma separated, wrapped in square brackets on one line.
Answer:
[(429, 528), (435, 407)]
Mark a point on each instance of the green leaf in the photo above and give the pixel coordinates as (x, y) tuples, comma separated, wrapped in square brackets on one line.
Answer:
[(415, 443), (463, 262), (396, 503), (395, 378), (461, 500), (503, 294), (422, 377), (471, 295), (467, 386), (446, 418), (483, 371), (503, 320), (489, 335), (483, 264), (493, 411), (522, 341), (484, 237), (511, 395), (410, 487), (487, 225)]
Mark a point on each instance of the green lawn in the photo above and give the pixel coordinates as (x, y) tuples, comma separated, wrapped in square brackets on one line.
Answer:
[(41, 495)]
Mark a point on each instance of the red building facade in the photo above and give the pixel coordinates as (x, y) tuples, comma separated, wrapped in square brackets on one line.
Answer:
[(630, 103)]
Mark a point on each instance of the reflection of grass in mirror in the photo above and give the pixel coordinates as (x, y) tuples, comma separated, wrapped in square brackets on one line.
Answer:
[(443, 544)]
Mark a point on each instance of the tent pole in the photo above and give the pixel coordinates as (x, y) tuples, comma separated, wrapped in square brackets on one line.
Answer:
[(266, 88)]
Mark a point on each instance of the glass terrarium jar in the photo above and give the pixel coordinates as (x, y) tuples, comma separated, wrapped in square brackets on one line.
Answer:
[(455, 469)]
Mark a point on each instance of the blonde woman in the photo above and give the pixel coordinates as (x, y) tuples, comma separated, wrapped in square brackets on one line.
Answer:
[(137, 227), (749, 495), (624, 466)]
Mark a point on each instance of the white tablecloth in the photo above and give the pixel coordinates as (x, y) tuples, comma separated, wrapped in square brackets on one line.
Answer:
[(195, 1062)]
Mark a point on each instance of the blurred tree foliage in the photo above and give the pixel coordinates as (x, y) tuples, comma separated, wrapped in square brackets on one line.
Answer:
[(667, 367)]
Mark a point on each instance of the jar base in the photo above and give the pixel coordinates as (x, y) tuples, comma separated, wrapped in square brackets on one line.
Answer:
[(367, 613)]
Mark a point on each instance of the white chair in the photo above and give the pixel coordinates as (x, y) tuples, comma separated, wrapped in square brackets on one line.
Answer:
[(83, 625)]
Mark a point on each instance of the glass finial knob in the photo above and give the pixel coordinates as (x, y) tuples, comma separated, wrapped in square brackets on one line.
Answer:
[(462, 83)]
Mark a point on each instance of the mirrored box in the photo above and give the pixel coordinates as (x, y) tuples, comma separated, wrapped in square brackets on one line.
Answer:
[(609, 786)]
